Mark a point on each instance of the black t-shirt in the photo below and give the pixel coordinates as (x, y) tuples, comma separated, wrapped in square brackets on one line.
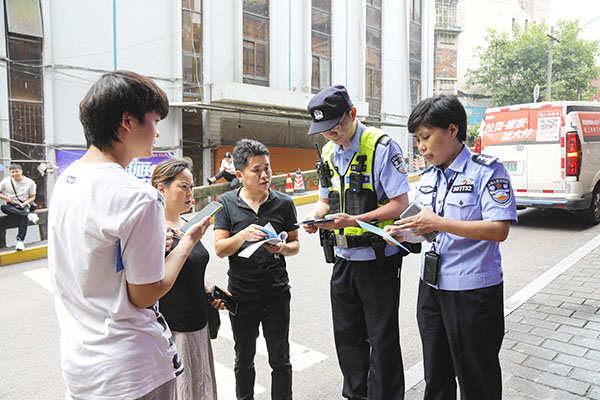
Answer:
[(184, 306), (262, 275)]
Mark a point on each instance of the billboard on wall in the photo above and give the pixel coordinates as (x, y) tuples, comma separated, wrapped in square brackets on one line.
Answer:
[(141, 168)]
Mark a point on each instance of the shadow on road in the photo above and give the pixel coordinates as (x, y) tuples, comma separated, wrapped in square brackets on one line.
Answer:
[(552, 219)]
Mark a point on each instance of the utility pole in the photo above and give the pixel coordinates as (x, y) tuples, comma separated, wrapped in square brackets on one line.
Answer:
[(549, 77)]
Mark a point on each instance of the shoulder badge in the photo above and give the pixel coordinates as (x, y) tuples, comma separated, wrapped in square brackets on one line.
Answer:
[(499, 190), (484, 159), (398, 163)]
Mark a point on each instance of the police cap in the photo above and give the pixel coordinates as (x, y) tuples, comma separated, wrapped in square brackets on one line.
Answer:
[(327, 108)]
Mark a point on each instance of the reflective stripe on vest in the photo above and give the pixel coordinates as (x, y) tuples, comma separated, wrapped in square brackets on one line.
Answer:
[(368, 142)]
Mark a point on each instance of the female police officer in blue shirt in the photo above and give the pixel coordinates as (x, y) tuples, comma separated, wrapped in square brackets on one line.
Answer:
[(468, 199)]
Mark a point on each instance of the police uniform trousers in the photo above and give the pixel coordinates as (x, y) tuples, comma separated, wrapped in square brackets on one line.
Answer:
[(364, 301), (461, 332)]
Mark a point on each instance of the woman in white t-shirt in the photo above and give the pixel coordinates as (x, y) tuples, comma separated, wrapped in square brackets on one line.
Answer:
[(185, 305), (227, 171)]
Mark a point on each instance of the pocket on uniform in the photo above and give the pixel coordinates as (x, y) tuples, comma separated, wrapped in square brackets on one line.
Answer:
[(426, 199), (462, 199)]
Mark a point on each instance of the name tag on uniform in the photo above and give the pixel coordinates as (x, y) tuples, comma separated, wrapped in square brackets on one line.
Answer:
[(466, 188)]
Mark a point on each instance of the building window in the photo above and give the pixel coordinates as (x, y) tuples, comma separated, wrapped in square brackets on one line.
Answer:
[(445, 14), (24, 47), (414, 50), (373, 58), (256, 42), (321, 44), (191, 45), (24, 17)]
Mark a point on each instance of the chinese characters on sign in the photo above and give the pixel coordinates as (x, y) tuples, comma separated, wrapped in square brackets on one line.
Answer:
[(141, 168), (590, 123)]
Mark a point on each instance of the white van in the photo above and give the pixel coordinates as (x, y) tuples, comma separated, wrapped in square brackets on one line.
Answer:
[(551, 151)]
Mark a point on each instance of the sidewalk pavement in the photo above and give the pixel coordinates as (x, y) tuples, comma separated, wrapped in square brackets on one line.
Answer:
[(551, 348)]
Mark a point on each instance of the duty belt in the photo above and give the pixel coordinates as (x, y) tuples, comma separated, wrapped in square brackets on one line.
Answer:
[(351, 241)]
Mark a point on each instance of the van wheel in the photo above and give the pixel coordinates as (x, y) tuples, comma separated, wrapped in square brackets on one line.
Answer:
[(592, 215)]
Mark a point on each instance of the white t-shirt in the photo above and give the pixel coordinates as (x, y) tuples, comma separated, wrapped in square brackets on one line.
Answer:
[(110, 349), (226, 165), (25, 188)]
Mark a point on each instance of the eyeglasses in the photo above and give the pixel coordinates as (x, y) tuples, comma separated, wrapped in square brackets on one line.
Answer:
[(339, 125)]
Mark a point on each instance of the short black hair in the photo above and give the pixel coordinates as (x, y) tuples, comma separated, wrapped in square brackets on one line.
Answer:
[(101, 110), (15, 166), (439, 112), (245, 149)]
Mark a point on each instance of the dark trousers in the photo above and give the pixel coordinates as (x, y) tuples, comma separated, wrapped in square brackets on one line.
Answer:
[(21, 215), (231, 178), (364, 301), (274, 315), (461, 332)]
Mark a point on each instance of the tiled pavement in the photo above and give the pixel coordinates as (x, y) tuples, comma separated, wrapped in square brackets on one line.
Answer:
[(551, 348)]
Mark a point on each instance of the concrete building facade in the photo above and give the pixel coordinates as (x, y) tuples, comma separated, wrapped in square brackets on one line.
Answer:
[(460, 28), (231, 69)]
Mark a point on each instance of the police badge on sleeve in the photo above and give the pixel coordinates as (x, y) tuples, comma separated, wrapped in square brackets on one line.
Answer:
[(398, 163), (499, 189)]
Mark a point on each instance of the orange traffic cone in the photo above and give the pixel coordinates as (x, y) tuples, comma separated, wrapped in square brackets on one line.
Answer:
[(288, 184), (298, 182)]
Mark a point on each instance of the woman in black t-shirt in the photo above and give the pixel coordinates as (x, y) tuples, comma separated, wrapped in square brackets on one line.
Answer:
[(185, 305)]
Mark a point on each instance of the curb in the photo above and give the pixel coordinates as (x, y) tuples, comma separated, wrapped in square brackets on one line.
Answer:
[(305, 199), (30, 254), (414, 178)]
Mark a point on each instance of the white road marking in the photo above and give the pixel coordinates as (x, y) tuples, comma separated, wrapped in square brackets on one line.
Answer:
[(414, 374), (301, 357), (531, 289), (226, 383), (41, 276)]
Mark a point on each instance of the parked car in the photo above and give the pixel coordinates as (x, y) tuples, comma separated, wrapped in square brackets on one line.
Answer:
[(551, 151)]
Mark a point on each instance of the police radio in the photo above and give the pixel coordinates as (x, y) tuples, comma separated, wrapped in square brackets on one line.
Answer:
[(323, 170)]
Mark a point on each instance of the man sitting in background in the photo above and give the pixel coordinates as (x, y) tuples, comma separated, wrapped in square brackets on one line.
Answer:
[(19, 193), (227, 171)]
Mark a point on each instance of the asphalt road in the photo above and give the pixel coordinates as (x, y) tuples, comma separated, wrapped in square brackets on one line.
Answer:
[(29, 361)]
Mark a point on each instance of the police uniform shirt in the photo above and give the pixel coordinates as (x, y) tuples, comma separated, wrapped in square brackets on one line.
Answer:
[(479, 192), (390, 180)]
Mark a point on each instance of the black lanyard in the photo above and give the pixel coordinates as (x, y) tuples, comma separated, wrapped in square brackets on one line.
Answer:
[(450, 183), (441, 214)]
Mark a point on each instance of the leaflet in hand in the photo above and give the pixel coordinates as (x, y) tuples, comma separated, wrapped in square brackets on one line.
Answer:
[(272, 238), (378, 231)]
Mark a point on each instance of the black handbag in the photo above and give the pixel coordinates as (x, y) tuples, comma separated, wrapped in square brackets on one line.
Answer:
[(213, 320)]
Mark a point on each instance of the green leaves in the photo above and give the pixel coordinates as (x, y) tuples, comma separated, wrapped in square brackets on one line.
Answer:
[(512, 64)]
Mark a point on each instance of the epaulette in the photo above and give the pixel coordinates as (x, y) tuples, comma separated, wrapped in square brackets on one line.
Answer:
[(484, 159), (385, 140), (427, 170)]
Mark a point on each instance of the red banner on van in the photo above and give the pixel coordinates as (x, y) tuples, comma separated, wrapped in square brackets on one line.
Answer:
[(590, 123), (522, 126)]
